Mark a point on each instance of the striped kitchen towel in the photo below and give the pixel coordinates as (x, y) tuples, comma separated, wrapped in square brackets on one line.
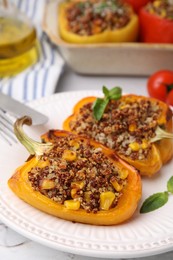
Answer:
[(41, 79)]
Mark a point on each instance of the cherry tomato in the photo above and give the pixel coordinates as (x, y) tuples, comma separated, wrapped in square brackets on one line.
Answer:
[(137, 4), (169, 99), (160, 84)]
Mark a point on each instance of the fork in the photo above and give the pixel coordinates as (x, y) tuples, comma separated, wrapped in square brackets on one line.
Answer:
[(6, 128)]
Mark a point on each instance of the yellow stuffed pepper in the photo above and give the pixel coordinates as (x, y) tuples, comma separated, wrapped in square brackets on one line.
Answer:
[(97, 21), (76, 179)]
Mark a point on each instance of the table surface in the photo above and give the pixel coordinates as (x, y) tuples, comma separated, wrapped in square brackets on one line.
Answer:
[(16, 247)]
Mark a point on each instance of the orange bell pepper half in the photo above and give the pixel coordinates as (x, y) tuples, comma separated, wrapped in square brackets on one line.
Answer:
[(161, 151), (21, 184)]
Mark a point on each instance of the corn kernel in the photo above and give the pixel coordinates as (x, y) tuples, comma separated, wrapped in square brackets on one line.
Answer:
[(123, 174), (69, 155), (151, 11), (163, 13), (106, 199), (43, 164), (162, 120), (132, 127), (74, 144), (73, 193), (72, 204), (77, 185), (87, 196), (122, 106), (96, 29), (156, 3), (116, 185), (134, 146), (47, 184), (144, 144)]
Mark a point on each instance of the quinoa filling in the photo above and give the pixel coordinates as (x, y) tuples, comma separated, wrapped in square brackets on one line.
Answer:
[(95, 16), (78, 175), (162, 8), (126, 126)]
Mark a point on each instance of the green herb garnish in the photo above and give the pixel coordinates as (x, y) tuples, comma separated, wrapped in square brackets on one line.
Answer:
[(98, 8), (157, 200), (100, 104), (170, 185)]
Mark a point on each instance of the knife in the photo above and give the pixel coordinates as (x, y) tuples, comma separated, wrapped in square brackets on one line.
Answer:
[(18, 109)]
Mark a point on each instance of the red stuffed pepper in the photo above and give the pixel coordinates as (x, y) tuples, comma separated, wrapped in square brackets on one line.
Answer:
[(156, 22)]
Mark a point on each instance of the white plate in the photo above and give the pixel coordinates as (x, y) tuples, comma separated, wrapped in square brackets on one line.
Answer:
[(143, 235)]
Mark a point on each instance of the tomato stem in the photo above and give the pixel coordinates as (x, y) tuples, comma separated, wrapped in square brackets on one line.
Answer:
[(169, 87)]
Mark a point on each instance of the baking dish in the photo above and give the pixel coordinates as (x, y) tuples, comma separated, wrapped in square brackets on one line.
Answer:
[(137, 59)]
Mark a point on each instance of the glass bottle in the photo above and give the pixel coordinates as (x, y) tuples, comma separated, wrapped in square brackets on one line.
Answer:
[(19, 46)]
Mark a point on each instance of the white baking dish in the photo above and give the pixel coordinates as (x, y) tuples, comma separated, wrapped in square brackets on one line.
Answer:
[(109, 58)]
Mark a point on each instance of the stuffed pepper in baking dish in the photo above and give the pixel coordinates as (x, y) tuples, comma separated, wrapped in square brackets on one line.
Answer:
[(156, 22), (97, 21)]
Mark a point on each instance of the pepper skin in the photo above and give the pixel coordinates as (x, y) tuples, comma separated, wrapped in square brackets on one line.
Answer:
[(161, 151), (154, 29), (125, 208), (129, 33)]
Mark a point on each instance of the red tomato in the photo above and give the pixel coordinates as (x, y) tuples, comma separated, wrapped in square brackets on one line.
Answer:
[(137, 4), (169, 99), (159, 84)]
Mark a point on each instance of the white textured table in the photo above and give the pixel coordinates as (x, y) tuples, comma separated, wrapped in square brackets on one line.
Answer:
[(16, 247)]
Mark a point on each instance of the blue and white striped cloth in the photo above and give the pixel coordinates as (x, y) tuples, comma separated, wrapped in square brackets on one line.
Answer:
[(41, 79)]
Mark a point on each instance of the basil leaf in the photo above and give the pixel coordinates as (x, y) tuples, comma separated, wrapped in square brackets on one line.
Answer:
[(154, 202), (105, 91), (99, 107), (116, 96), (170, 185), (100, 104), (115, 93)]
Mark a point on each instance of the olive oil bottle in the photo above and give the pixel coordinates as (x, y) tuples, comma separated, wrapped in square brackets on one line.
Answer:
[(19, 47)]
